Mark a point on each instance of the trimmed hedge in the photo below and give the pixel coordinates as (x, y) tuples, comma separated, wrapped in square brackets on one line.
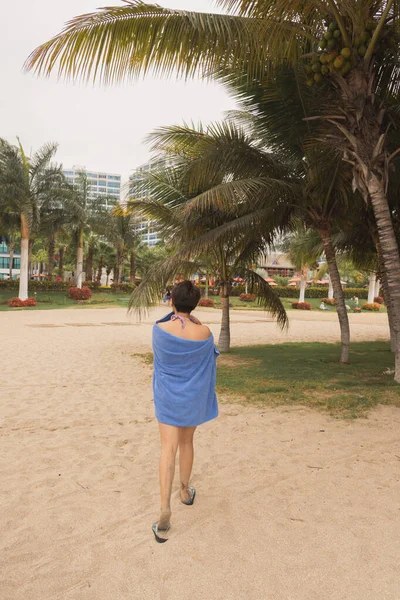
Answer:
[(83, 293), (37, 286), (319, 292)]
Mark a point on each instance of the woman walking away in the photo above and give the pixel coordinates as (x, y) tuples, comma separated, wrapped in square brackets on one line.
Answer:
[(184, 392)]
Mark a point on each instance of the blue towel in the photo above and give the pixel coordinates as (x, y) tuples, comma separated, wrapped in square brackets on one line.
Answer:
[(184, 379)]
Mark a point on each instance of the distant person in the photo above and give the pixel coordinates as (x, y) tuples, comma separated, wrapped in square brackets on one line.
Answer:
[(184, 392), (167, 297), (355, 300), (323, 307)]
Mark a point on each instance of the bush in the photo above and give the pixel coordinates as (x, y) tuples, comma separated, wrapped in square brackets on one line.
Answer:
[(92, 285), (30, 302), (83, 293), (319, 292), (247, 297), (206, 302), (379, 300), (122, 288), (37, 286), (17, 303), (329, 301), (301, 305), (374, 306)]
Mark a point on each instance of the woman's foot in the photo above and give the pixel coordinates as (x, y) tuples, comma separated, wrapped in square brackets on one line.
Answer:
[(165, 517), (188, 494)]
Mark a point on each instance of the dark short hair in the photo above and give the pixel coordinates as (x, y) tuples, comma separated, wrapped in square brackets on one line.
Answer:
[(185, 296)]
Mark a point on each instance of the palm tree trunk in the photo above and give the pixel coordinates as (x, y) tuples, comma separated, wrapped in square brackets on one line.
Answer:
[(330, 290), (386, 292), (23, 277), (79, 260), (303, 283), (390, 255), (371, 287), (30, 267), (50, 253), (61, 261), (224, 342), (116, 273), (338, 293), (132, 274), (89, 264), (100, 269), (206, 288), (377, 286), (11, 248)]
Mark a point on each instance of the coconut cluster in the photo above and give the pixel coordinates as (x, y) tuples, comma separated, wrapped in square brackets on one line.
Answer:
[(333, 57)]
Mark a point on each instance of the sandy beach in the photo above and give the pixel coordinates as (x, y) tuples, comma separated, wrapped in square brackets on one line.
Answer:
[(291, 504)]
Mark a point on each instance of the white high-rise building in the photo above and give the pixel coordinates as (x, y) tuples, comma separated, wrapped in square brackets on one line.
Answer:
[(101, 185), (147, 229)]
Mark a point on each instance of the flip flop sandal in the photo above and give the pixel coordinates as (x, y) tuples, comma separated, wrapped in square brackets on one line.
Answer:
[(155, 530), (192, 493)]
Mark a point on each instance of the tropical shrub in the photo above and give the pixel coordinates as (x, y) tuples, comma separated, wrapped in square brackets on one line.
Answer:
[(206, 302), (374, 306), (18, 303), (92, 285), (247, 297), (357, 310), (37, 286), (319, 292), (301, 305), (379, 300), (83, 293), (329, 301), (122, 288)]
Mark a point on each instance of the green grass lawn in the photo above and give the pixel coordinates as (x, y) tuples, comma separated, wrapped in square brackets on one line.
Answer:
[(237, 304), (300, 374), (52, 300), (309, 375)]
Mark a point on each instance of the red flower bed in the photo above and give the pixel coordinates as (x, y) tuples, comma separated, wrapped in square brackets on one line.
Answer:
[(206, 302), (374, 306), (83, 293), (17, 303), (379, 300), (301, 305), (247, 297), (330, 301)]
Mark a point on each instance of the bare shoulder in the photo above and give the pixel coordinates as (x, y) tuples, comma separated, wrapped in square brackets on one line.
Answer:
[(200, 332)]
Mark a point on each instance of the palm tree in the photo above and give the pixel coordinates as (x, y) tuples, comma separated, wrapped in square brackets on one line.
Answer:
[(194, 234), (271, 188), (304, 248), (121, 232), (86, 214), (124, 41), (26, 183)]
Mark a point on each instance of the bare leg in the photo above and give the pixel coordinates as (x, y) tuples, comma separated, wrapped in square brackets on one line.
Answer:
[(186, 455), (169, 446)]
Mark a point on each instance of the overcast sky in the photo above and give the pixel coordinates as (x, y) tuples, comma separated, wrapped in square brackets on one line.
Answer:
[(97, 127)]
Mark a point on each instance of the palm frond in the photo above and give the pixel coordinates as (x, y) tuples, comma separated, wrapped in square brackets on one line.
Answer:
[(122, 42), (149, 291)]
